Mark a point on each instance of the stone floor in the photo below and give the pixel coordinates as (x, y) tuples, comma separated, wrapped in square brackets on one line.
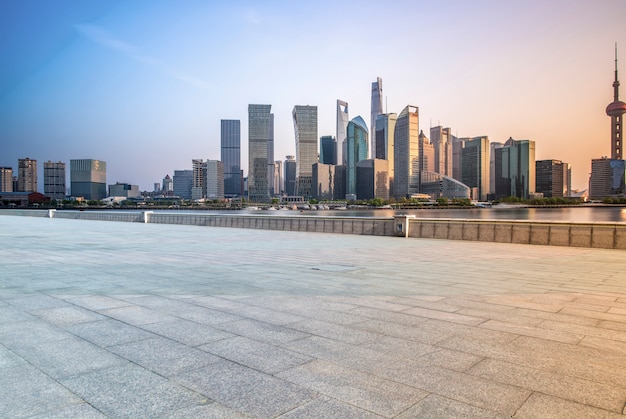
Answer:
[(105, 319)]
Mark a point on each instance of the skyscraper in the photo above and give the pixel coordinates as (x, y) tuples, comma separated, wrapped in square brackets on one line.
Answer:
[(198, 185), (26, 175), (305, 128), (214, 179), (385, 127), (406, 153), (290, 176), (278, 178), (54, 180), (182, 182), (260, 139), (270, 158), (328, 150), (549, 178), (6, 179), (377, 109), (475, 166), (231, 156), (88, 179), (357, 151), (515, 169), (441, 139), (168, 186), (616, 110), (342, 130)]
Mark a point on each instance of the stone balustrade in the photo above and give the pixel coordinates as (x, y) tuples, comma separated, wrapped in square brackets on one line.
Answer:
[(595, 235)]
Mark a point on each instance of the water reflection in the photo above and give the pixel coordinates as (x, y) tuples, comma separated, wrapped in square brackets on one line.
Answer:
[(573, 214)]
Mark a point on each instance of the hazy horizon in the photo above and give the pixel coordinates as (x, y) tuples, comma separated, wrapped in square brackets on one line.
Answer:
[(143, 85)]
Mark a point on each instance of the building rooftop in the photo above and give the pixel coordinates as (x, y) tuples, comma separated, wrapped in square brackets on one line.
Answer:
[(105, 319)]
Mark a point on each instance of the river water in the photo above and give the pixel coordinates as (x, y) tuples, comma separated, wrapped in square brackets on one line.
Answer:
[(581, 214)]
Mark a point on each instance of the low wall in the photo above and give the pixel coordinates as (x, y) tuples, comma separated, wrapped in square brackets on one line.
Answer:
[(594, 235)]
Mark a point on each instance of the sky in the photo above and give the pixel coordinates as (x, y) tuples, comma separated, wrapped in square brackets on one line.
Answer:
[(143, 84)]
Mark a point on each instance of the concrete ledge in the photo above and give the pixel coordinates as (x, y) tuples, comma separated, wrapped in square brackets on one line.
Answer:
[(592, 235)]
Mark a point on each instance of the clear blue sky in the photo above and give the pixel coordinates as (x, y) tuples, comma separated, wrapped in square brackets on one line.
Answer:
[(143, 84)]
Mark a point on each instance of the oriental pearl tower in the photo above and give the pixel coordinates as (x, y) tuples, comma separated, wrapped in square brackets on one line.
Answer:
[(616, 110)]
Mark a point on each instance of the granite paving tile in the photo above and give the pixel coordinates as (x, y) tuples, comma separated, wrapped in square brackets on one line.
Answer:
[(164, 356), (326, 407), (80, 411), (97, 302), (438, 407), (616, 317), (559, 317), (570, 388), (585, 330), (9, 359), (36, 331), (261, 331), (383, 397), (187, 332), (543, 406), (26, 391), (10, 314), (444, 315), (131, 391), (108, 332), (65, 316), (267, 315), (538, 332), (334, 331), (137, 315), (66, 357), (246, 390), (254, 354), (35, 302), (405, 348), (209, 409)]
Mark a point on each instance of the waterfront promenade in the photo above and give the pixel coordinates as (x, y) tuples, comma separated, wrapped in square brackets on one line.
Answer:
[(114, 319)]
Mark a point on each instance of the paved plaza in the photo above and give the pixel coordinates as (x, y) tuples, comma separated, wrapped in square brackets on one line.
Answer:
[(105, 319)]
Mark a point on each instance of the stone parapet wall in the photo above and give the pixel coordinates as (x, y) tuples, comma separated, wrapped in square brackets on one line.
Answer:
[(593, 235)]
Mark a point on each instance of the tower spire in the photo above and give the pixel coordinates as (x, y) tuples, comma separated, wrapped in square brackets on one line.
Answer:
[(616, 82)]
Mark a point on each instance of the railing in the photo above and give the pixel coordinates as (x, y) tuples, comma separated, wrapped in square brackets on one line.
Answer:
[(594, 235)]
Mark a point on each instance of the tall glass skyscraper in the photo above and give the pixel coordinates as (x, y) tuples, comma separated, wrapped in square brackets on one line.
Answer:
[(6, 179), (475, 166), (357, 150), (515, 169), (342, 130), (441, 139), (385, 127), (231, 157), (328, 150), (88, 178), (290, 176), (305, 128), (377, 109), (260, 132), (406, 153)]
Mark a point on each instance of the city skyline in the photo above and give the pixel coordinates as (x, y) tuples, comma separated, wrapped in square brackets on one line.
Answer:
[(144, 86)]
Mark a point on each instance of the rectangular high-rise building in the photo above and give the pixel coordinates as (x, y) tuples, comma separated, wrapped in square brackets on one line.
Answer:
[(607, 178), (406, 153), (231, 156), (475, 166), (515, 169), (260, 138), (305, 129), (549, 178), (54, 180), (385, 127), (88, 179), (182, 182), (198, 186), (441, 139), (290, 176), (214, 179), (328, 150), (372, 179), (278, 178), (26, 175), (6, 179), (323, 183)]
